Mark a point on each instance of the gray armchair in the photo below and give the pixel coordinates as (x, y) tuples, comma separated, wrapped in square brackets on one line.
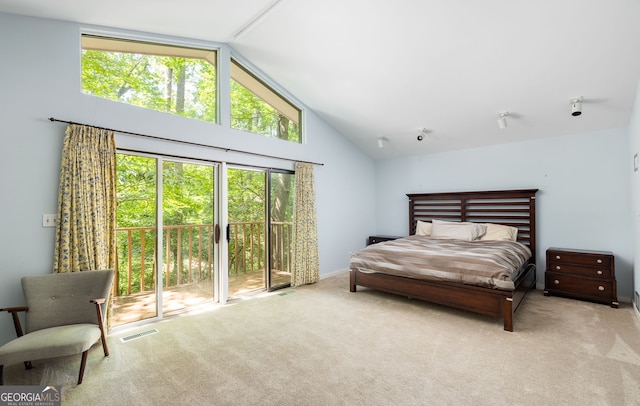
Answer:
[(60, 319)]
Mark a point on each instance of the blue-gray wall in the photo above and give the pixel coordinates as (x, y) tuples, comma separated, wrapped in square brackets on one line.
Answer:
[(583, 201), (40, 78)]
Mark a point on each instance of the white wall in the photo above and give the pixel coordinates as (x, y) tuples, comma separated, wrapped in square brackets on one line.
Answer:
[(583, 201), (634, 219), (40, 78)]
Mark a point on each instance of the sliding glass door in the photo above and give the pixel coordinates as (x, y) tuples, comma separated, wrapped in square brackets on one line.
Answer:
[(168, 235), (281, 191), (134, 296), (246, 191), (260, 214), (188, 218), (169, 204)]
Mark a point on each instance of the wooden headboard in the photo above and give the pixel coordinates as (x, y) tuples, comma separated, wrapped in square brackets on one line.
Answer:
[(516, 208)]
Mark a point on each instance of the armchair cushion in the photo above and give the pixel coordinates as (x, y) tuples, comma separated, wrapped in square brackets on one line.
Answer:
[(50, 343)]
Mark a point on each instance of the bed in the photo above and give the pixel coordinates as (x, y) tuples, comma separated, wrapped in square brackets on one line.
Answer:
[(510, 208)]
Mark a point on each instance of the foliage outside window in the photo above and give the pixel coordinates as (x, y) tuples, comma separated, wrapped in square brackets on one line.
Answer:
[(135, 222), (166, 78), (257, 108), (187, 196)]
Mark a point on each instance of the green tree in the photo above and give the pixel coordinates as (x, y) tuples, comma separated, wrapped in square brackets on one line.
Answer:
[(250, 113), (181, 86)]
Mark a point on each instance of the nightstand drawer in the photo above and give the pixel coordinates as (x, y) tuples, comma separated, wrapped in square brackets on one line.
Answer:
[(580, 286), (588, 258), (604, 272)]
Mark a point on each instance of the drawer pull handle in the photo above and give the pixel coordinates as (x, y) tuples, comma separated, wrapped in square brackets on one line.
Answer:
[(557, 282), (599, 272), (557, 256), (599, 261), (558, 267), (600, 288)]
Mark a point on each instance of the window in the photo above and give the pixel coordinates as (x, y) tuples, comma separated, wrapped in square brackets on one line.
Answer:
[(182, 81), (172, 79), (257, 108)]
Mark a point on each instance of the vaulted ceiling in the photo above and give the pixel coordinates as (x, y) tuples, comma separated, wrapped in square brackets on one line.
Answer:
[(374, 68)]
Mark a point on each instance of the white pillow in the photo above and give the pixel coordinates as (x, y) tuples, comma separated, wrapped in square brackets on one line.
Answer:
[(498, 232), (457, 231), (423, 228)]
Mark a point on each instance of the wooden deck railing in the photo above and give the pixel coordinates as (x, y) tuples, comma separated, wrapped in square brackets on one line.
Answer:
[(189, 253)]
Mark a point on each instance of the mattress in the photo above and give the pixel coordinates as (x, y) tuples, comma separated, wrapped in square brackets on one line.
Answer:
[(489, 264)]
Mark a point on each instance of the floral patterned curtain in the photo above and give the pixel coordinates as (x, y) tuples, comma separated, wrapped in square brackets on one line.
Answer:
[(85, 234), (306, 264)]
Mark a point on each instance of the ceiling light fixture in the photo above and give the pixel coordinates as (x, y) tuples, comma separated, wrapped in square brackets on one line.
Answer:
[(381, 141), (423, 133), (576, 106), (502, 119)]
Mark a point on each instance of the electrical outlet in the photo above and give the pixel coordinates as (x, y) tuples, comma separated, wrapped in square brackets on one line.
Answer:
[(49, 220)]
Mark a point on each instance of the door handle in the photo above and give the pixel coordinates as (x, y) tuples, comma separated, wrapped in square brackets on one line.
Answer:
[(228, 233)]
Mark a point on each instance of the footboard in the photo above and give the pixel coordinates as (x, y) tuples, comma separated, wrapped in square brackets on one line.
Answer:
[(491, 302)]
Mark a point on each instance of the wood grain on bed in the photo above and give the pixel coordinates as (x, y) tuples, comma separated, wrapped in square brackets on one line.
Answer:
[(514, 208)]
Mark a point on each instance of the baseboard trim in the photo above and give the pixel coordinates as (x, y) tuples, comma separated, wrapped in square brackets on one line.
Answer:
[(334, 273)]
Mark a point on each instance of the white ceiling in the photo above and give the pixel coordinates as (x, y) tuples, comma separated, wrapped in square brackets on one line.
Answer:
[(380, 68)]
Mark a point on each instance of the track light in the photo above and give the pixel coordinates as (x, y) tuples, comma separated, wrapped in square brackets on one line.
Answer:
[(381, 142), (423, 133), (576, 106), (502, 119)]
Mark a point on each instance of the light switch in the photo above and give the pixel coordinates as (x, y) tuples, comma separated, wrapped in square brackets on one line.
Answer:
[(49, 220)]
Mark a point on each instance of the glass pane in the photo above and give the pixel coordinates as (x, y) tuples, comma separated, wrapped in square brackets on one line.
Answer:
[(257, 108), (247, 253), (282, 194), (188, 246), (135, 293), (166, 78)]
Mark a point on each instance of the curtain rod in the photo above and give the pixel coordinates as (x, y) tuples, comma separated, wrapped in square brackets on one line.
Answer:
[(195, 144)]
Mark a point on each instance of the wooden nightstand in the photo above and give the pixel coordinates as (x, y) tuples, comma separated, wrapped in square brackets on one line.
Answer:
[(374, 239), (581, 274)]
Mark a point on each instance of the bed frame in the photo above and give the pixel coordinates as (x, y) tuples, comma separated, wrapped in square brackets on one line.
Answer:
[(516, 208)]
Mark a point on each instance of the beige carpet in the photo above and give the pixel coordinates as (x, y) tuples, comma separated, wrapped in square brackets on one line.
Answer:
[(322, 345)]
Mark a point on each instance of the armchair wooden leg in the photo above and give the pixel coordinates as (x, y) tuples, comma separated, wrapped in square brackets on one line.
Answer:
[(101, 325), (83, 363), (104, 347)]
